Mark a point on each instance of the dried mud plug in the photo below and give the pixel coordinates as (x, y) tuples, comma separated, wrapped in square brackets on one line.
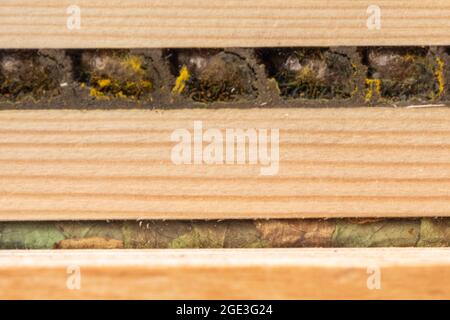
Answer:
[(311, 73), (116, 74), (400, 74), (28, 75), (213, 76)]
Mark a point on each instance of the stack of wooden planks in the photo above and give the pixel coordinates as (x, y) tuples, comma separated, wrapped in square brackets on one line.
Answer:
[(341, 162)]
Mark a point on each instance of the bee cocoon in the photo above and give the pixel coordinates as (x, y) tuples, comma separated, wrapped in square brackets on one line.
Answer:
[(311, 73), (117, 74), (28, 75), (405, 74), (214, 76)]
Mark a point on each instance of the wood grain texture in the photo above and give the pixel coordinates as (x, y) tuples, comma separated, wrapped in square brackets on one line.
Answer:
[(218, 23), (227, 274), (357, 162)]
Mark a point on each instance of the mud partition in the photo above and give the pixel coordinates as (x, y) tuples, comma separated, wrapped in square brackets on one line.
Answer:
[(214, 78)]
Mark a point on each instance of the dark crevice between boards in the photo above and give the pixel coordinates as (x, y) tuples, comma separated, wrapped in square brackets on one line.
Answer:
[(217, 78), (290, 233)]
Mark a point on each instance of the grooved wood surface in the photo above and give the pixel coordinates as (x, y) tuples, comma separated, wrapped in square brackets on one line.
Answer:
[(219, 23), (354, 162), (227, 274)]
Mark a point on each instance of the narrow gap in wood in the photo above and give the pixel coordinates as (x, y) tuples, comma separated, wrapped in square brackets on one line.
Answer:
[(240, 78), (185, 234)]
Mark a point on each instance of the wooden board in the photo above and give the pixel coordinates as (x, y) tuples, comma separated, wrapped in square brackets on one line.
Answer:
[(218, 23), (355, 162), (227, 274)]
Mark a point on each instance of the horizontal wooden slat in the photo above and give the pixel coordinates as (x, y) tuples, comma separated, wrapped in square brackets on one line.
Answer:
[(357, 162), (218, 23), (227, 274)]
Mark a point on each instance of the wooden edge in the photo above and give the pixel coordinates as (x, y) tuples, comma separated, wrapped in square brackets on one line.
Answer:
[(227, 274), (343, 162), (217, 23)]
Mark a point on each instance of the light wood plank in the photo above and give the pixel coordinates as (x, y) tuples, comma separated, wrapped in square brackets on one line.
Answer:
[(218, 23), (357, 162), (227, 274)]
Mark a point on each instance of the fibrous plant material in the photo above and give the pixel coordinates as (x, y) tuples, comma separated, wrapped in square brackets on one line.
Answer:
[(312, 73), (29, 75), (291, 233), (400, 74), (213, 76), (116, 74)]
